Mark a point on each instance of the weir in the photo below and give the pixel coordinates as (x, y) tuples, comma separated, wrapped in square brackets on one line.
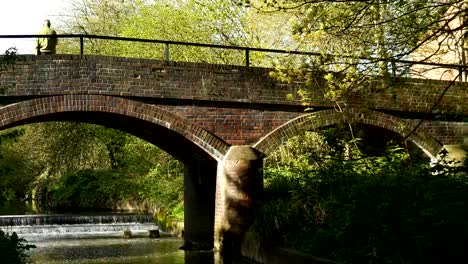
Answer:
[(43, 227), (67, 219)]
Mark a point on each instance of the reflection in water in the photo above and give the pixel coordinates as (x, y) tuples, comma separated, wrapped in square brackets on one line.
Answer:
[(118, 250), (109, 250), (98, 238)]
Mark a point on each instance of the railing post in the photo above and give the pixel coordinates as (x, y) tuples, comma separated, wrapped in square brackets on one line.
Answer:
[(460, 74), (392, 61), (247, 58), (166, 52), (81, 45)]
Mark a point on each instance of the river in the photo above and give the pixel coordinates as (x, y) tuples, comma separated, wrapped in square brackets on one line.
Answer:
[(87, 239), (117, 250)]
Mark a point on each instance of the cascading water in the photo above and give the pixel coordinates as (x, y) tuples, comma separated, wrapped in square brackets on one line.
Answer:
[(91, 239), (43, 227)]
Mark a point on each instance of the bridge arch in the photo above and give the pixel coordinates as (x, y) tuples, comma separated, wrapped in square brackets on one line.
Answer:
[(325, 118), (199, 150), (172, 133)]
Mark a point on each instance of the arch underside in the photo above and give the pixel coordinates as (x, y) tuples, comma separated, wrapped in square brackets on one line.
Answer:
[(331, 117), (178, 137)]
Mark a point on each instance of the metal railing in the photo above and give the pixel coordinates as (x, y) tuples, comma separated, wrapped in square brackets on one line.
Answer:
[(462, 69)]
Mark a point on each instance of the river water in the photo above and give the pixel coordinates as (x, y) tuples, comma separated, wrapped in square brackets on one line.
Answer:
[(117, 250), (88, 239)]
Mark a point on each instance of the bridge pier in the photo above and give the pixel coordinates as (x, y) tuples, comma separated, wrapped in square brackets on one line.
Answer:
[(199, 206), (456, 153), (238, 187)]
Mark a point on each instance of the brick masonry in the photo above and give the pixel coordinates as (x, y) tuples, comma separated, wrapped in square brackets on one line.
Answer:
[(235, 105), (115, 109), (353, 115), (197, 111)]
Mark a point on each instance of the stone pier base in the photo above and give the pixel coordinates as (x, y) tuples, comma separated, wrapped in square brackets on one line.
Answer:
[(238, 188), (199, 206), (456, 154)]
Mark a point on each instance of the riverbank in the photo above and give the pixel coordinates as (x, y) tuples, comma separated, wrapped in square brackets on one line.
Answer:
[(254, 252)]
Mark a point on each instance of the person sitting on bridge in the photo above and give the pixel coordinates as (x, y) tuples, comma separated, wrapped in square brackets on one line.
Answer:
[(46, 45)]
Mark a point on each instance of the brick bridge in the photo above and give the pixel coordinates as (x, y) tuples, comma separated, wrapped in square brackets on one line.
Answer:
[(219, 120)]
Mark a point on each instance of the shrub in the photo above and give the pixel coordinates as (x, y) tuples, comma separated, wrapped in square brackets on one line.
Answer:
[(385, 209), (87, 190), (12, 249)]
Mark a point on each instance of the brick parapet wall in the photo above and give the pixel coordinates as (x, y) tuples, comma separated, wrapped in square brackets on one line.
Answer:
[(73, 74), (420, 95), (218, 86), (77, 74)]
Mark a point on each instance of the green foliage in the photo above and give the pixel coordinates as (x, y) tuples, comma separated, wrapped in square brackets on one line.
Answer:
[(382, 209), (123, 169), (202, 21), (171, 221), (14, 170), (69, 166), (7, 59), (7, 62), (364, 28), (359, 41), (189, 21), (61, 147), (13, 250), (163, 186), (87, 190), (10, 135)]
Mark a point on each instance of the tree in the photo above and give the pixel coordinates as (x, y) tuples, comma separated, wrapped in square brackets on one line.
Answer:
[(69, 146), (78, 166), (202, 21), (379, 28), (359, 40), (15, 170), (355, 208), (178, 20)]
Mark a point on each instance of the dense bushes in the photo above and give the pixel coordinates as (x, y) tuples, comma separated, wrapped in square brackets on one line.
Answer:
[(163, 186), (14, 174), (86, 190), (358, 209), (12, 249), (90, 190), (70, 167)]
